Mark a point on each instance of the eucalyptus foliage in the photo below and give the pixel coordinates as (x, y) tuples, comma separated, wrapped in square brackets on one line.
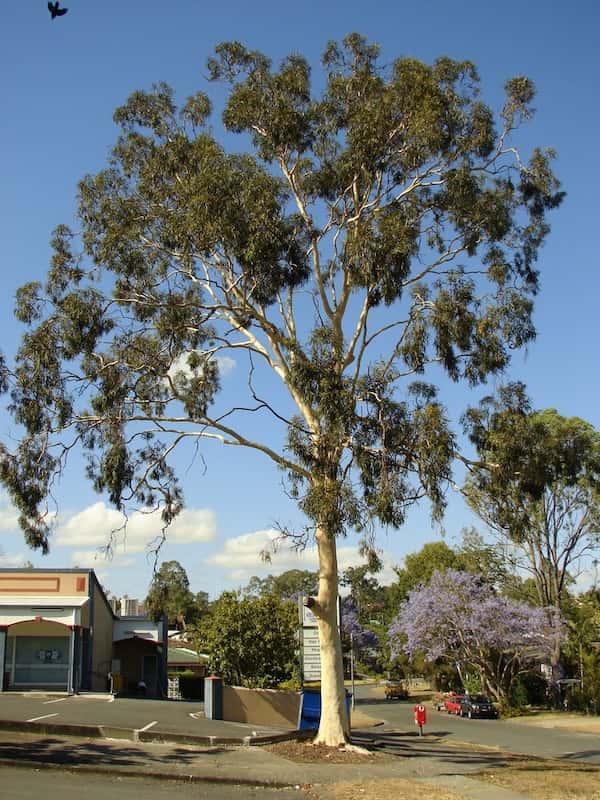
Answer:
[(369, 232), (537, 487)]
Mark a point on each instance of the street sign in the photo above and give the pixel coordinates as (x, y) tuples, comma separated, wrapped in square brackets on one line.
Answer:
[(311, 648), (311, 654), (308, 618)]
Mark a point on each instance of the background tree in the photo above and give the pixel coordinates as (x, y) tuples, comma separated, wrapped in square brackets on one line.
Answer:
[(581, 649), (251, 641), (381, 227), (471, 554), (170, 594), (539, 488), (459, 617), (418, 569), (352, 628), (289, 585), (480, 557), (368, 597)]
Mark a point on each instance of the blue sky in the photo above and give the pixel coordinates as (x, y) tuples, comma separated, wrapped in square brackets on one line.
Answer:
[(61, 81)]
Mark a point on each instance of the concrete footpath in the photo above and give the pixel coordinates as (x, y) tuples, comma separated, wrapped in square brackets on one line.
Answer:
[(424, 761)]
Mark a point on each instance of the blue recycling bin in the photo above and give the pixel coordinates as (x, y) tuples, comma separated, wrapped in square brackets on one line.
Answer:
[(310, 714)]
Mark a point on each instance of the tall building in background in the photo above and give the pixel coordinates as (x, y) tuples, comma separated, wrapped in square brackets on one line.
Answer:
[(115, 604), (129, 606)]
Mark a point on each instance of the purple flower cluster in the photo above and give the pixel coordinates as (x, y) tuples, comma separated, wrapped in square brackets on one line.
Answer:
[(458, 616), (361, 636)]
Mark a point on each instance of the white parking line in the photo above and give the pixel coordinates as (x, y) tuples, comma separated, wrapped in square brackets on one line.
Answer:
[(147, 727), (35, 719), (60, 700)]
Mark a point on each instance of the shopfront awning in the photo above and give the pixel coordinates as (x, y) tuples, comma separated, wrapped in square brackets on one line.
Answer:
[(63, 609)]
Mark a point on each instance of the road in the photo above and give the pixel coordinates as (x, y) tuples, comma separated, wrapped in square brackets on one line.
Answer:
[(31, 784), (502, 734)]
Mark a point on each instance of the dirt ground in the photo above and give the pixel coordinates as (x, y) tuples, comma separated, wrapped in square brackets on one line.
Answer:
[(580, 786), (547, 780), (394, 789), (541, 779), (561, 719)]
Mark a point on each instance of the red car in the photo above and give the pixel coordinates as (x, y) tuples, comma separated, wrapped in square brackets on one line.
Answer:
[(452, 704)]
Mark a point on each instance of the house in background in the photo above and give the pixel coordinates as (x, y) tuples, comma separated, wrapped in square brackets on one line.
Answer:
[(58, 631), (184, 659), (140, 654)]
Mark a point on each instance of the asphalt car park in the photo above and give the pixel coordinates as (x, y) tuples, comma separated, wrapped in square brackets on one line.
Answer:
[(132, 714)]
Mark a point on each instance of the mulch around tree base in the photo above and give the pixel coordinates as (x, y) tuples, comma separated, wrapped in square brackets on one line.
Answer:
[(303, 752)]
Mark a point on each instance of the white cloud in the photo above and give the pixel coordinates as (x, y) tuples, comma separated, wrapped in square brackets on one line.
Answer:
[(244, 551), (95, 559), (92, 527), (586, 579), (17, 560), (8, 514), (193, 525), (241, 558), (226, 365), (87, 559)]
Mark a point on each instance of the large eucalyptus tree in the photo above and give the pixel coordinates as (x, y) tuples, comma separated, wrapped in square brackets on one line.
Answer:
[(537, 487), (369, 231)]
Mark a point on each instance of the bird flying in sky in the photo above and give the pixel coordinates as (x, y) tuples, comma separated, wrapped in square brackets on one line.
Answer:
[(55, 10)]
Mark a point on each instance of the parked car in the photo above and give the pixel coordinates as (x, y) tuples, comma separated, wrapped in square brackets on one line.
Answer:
[(438, 702), (452, 703), (477, 705), (395, 690)]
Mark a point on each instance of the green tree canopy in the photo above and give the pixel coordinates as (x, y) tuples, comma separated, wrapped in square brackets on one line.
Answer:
[(288, 585), (538, 486), (372, 236), (251, 641), (369, 598), (581, 650), (472, 554), (170, 594)]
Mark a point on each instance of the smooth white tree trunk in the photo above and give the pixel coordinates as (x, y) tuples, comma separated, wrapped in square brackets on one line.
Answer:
[(334, 728)]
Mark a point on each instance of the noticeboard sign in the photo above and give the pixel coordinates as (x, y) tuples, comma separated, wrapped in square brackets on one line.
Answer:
[(309, 639), (308, 619)]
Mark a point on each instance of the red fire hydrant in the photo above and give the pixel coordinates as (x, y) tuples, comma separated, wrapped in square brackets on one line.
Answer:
[(420, 717)]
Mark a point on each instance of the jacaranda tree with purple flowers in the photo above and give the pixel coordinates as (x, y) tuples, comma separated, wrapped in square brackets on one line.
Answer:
[(459, 617), (352, 630)]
